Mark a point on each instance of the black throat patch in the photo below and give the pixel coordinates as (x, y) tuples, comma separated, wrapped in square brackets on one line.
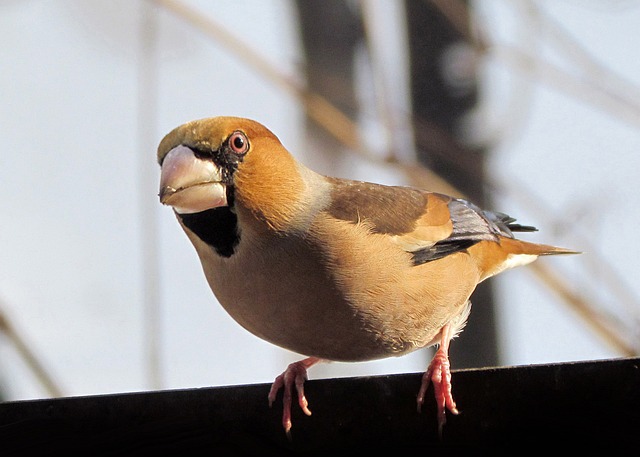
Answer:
[(218, 227)]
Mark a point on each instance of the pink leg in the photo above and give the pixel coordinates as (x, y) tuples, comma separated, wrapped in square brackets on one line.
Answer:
[(439, 373), (295, 374)]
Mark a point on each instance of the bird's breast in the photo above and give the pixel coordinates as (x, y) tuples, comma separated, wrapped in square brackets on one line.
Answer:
[(282, 291), (329, 296)]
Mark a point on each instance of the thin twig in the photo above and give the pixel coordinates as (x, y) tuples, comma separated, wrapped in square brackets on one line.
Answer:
[(28, 355), (585, 308)]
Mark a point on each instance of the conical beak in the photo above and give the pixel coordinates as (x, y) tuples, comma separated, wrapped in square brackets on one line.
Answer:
[(190, 184)]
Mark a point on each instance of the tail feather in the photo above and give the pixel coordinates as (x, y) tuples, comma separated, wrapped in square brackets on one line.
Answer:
[(553, 250), (515, 246)]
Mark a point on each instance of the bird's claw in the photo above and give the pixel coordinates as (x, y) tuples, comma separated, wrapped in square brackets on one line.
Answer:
[(439, 373), (294, 375)]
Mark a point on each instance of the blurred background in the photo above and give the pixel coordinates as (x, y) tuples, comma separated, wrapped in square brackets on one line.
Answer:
[(527, 107)]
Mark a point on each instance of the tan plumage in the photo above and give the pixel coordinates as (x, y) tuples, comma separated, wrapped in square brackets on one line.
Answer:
[(333, 269)]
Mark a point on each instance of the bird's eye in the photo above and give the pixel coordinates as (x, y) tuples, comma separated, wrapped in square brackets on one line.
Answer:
[(238, 143)]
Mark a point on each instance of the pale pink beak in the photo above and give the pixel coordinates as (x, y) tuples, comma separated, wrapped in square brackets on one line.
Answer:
[(190, 184)]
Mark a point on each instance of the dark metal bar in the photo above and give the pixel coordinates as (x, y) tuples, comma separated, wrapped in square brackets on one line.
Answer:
[(583, 405)]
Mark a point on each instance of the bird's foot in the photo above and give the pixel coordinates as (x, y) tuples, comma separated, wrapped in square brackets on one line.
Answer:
[(439, 373), (294, 375)]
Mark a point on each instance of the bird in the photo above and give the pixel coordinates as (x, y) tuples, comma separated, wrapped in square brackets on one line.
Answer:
[(331, 268)]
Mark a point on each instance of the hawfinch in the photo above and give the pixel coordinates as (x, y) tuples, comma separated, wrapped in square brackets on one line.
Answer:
[(331, 268)]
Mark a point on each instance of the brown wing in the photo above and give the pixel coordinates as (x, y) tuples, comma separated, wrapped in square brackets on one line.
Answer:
[(389, 210), (429, 225)]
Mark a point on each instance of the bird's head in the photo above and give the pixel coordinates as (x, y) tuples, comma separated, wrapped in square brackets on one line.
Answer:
[(228, 162)]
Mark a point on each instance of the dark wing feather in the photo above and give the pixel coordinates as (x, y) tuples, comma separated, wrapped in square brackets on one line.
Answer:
[(440, 249)]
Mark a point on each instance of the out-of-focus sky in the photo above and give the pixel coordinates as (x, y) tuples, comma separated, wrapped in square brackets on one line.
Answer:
[(84, 104)]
